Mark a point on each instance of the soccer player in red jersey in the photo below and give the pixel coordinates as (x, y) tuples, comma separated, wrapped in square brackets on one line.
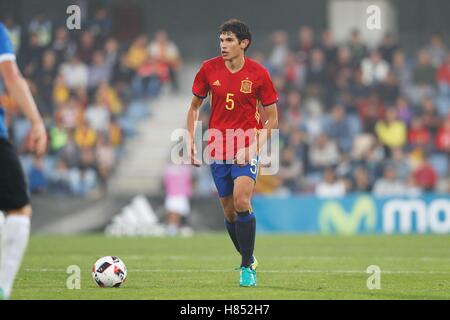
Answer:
[(236, 86)]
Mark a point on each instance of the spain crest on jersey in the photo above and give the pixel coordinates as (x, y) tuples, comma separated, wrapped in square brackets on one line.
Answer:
[(246, 86)]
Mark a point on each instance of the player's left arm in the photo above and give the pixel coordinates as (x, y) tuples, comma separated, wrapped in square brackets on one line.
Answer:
[(265, 133), (244, 155)]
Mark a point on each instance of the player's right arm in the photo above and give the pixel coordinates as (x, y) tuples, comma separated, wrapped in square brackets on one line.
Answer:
[(192, 116), (19, 90), (200, 90)]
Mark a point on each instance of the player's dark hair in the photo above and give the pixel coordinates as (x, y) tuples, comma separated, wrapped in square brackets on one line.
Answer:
[(239, 28)]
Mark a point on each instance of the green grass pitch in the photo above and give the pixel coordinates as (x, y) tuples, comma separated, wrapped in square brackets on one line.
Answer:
[(202, 267)]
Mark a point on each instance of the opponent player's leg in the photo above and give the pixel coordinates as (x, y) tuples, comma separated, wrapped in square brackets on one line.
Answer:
[(15, 203), (15, 236), (2, 223), (230, 218)]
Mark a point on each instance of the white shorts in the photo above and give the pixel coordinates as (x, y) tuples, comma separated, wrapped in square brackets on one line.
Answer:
[(178, 204)]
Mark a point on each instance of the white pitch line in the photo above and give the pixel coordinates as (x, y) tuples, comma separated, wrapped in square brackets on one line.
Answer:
[(212, 258), (260, 271)]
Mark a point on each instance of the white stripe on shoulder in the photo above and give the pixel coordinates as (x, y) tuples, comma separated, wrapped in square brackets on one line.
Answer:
[(7, 57)]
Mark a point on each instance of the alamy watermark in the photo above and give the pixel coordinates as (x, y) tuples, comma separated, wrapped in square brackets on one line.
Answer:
[(73, 22), (373, 21), (374, 281), (73, 281), (223, 146)]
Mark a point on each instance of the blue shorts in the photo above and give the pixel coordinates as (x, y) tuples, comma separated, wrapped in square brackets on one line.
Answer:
[(224, 175)]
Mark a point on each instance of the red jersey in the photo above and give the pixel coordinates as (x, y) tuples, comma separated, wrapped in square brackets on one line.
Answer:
[(234, 99)]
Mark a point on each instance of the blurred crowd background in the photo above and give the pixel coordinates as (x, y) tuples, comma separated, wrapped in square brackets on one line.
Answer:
[(92, 89), (366, 120), (358, 119), (353, 117)]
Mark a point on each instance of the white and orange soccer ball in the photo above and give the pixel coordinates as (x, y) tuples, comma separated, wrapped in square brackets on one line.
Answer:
[(109, 272)]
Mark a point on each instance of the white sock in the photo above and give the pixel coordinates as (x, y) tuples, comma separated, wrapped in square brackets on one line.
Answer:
[(16, 231)]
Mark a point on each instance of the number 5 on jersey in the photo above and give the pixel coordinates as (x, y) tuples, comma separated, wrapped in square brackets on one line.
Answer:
[(229, 105)]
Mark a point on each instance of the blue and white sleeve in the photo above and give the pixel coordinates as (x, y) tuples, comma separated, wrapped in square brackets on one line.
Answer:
[(6, 48)]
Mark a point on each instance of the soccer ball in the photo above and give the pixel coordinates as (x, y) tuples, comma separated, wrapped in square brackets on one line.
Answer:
[(109, 272)]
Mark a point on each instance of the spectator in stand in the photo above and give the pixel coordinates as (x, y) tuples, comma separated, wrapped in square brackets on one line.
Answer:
[(43, 77), (290, 170), (423, 76), (292, 114), (388, 47), (330, 187), (63, 46), (60, 93), (338, 128), (313, 113), (404, 111), (70, 153), (105, 158), (14, 31), (443, 81), (389, 185), (70, 114), (58, 137), (443, 137), (99, 71), (317, 73), (111, 52), (36, 176), (59, 180), (358, 90), (358, 50), (323, 153), (329, 48), (115, 133), (122, 75), (294, 73), (31, 58), (361, 181), (425, 176), (85, 178), (370, 111), (98, 116), (280, 50), (137, 52), (399, 163), (419, 136), (297, 141), (374, 69), (150, 77), (389, 89), (85, 136), (343, 68), (305, 43), (429, 115), (75, 73), (101, 25), (166, 52), (87, 47), (402, 72), (108, 96), (436, 50), (42, 28), (390, 131)]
